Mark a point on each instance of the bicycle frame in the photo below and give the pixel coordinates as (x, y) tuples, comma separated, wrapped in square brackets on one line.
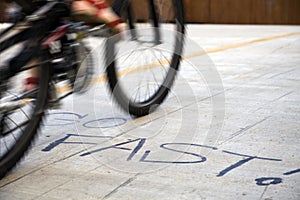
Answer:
[(43, 27), (34, 28), (47, 19)]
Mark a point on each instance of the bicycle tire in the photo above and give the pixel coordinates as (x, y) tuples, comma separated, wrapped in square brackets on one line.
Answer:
[(15, 141), (152, 101)]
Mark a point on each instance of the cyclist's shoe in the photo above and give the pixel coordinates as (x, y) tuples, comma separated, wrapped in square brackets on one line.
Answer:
[(31, 84), (31, 90)]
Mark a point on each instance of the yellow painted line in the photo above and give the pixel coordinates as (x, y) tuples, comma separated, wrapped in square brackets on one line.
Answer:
[(242, 44), (214, 50), (132, 70)]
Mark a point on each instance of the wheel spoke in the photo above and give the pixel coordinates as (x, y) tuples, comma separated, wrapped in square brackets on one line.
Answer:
[(145, 69)]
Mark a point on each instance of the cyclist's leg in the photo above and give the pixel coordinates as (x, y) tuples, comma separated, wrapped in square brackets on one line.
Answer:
[(32, 80), (97, 11)]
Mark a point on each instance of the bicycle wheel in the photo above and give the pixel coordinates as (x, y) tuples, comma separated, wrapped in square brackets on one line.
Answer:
[(142, 67), (20, 116)]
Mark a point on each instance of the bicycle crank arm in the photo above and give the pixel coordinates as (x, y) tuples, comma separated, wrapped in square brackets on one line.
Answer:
[(14, 105)]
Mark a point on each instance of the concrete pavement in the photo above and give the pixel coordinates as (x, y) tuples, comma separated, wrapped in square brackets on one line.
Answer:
[(230, 129)]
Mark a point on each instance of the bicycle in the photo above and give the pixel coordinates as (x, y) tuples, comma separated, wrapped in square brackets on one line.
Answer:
[(63, 54)]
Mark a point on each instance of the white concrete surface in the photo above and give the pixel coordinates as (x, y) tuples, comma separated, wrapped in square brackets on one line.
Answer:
[(89, 149)]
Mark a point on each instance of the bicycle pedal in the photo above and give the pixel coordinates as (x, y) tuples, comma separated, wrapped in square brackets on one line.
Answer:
[(54, 102)]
